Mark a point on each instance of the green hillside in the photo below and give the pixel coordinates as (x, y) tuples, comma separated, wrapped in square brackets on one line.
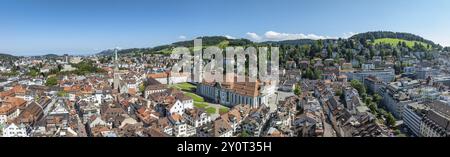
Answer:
[(395, 42)]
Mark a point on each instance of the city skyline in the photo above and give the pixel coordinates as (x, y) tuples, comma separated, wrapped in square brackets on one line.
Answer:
[(84, 27)]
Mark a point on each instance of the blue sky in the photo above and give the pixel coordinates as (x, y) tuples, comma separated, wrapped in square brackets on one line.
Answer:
[(35, 27)]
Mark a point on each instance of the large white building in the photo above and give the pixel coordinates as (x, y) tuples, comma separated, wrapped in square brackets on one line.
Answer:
[(397, 94), (13, 130), (385, 75), (234, 93), (412, 117)]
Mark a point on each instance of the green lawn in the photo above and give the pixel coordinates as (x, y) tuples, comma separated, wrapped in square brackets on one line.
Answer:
[(200, 105), (394, 42), (210, 110), (187, 87), (223, 110), (195, 97)]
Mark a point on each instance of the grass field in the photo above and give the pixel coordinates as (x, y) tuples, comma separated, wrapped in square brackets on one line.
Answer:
[(394, 42), (195, 97), (200, 105), (223, 110), (187, 87), (210, 110), (199, 102)]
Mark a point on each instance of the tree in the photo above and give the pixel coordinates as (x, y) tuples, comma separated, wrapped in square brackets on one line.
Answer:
[(373, 108), (338, 93), (329, 51), (390, 120), (33, 72), (51, 81), (142, 88), (358, 86), (309, 73), (317, 75), (245, 134), (377, 98), (297, 90), (62, 94)]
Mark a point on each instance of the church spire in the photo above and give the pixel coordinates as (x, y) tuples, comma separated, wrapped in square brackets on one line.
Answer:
[(115, 55), (116, 80)]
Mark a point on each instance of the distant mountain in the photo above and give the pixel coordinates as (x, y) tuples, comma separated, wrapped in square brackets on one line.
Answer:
[(106, 52), (7, 56), (50, 56)]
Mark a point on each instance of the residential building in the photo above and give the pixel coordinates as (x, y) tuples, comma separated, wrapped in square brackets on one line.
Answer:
[(385, 75), (436, 122), (13, 130), (196, 117), (412, 117)]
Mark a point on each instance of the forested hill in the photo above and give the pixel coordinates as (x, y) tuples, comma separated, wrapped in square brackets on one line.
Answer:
[(4, 56), (367, 40), (372, 36), (166, 49)]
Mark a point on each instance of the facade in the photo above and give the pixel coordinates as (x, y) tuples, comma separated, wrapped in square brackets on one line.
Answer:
[(13, 130), (373, 84), (424, 73), (256, 120), (288, 85), (172, 101), (166, 78), (396, 96), (180, 105), (154, 86), (436, 122), (394, 101), (412, 117), (385, 75), (196, 117), (10, 108)]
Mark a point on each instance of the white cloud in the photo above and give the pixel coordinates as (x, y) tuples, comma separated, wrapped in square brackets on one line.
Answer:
[(254, 36), (348, 34), (230, 37), (272, 35), (182, 37)]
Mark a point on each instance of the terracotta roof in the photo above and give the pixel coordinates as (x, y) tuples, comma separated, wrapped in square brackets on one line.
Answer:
[(156, 87), (176, 117), (18, 102), (157, 75), (221, 127), (245, 88)]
